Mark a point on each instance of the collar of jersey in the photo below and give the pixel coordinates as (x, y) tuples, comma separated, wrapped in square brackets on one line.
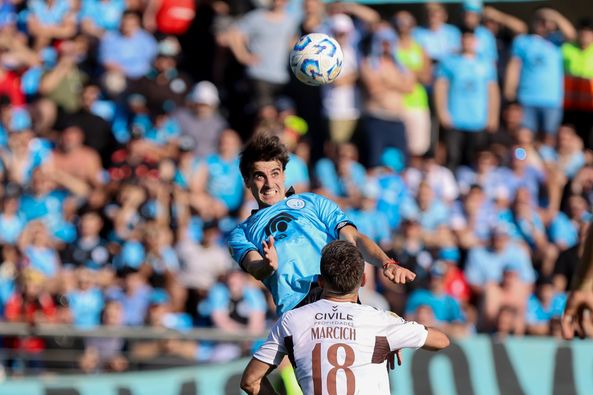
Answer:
[(289, 192)]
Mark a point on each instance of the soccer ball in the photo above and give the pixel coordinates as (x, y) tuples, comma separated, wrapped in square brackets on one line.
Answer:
[(316, 59)]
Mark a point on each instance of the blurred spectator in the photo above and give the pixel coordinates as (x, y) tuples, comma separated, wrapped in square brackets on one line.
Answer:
[(340, 176), (106, 353), (485, 41), (100, 16), (446, 310), (90, 250), (534, 73), (416, 111), (578, 82), (129, 51), (86, 300), (438, 38), (440, 179), (341, 101), (217, 185), (201, 120), (567, 261), (12, 222), (169, 16), (467, 100), (500, 274), (63, 83), (202, 265), (261, 41), (385, 84), (49, 20), (134, 296), (544, 306)]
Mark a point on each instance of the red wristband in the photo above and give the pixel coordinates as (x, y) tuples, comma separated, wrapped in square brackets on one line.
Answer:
[(391, 261)]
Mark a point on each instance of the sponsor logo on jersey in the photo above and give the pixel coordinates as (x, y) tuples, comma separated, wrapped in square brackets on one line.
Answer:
[(278, 225), (296, 204)]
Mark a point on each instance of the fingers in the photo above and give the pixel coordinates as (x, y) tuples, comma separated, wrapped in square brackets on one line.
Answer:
[(398, 354), (271, 242), (567, 324)]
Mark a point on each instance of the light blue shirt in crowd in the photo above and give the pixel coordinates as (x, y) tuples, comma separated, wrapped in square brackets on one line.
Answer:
[(541, 78), (86, 307), (469, 79), (538, 314), (327, 174), (484, 265), (444, 307), (133, 54)]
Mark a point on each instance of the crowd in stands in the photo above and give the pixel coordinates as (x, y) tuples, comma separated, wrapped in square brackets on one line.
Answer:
[(463, 150)]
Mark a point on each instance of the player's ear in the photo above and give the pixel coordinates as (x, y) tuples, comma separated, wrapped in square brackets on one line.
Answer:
[(321, 282), (363, 281)]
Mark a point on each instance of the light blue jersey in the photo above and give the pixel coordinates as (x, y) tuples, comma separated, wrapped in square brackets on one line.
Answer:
[(468, 80), (541, 79), (301, 225)]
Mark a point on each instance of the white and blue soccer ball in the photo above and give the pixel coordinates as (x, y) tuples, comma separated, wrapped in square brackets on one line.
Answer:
[(316, 59)]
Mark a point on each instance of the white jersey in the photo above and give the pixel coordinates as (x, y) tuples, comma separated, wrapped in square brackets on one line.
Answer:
[(340, 347)]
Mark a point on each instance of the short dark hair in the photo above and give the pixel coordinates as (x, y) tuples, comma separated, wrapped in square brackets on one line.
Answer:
[(342, 266), (262, 147)]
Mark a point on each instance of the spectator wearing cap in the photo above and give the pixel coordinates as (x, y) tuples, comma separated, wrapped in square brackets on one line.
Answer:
[(129, 51), (467, 101), (534, 73), (544, 306), (100, 16), (411, 55), (217, 184), (385, 84), (261, 41), (439, 39), (446, 310), (485, 41), (341, 100), (578, 82), (201, 120)]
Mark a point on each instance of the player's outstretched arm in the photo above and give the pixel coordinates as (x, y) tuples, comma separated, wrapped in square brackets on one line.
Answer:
[(255, 380), (579, 306), (435, 340), (374, 255)]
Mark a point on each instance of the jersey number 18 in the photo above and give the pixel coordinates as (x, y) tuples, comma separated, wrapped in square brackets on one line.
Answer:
[(332, 357)]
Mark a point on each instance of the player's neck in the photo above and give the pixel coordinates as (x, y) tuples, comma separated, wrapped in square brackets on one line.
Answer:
[(336, 297)]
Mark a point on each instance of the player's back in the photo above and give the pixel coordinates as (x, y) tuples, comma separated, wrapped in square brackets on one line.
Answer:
[(341, 347)]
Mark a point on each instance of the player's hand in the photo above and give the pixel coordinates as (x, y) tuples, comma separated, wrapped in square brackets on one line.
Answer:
[(392, 356), (270, 254), (398, 275), (579, 309)]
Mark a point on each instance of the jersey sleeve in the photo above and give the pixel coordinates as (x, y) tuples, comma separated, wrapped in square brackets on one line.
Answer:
[(404, 334), (332, 216), (274, 348), (239, 245)]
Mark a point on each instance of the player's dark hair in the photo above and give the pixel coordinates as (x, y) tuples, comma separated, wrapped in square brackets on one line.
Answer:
[(342, 266), (262, 147)]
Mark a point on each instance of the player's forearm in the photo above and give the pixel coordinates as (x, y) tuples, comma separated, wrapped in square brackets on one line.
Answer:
[(371, 252), (583, 279)]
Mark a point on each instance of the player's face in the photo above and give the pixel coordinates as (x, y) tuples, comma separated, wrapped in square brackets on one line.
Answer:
[(266, 183)]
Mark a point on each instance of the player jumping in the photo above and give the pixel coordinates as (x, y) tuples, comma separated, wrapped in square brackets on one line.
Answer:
[(280, 243), (335, 345)]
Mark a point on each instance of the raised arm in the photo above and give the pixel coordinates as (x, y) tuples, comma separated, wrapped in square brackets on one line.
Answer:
[(261, 267), (374, 255), (564, 25), (512, 23)]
